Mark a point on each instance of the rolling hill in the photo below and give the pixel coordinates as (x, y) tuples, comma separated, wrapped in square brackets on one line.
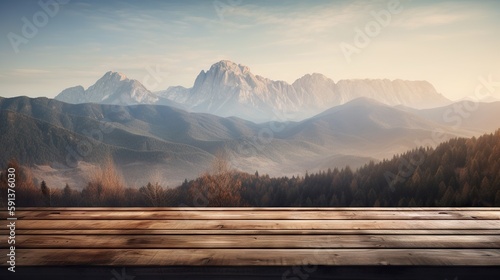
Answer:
[(145, 140)]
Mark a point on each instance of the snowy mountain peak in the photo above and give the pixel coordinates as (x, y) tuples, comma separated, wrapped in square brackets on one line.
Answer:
[(112, 88), (111, 79), (111, 75), (229, 66), (225, 78)]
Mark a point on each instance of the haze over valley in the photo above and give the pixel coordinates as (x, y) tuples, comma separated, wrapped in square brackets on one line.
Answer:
[(267, 126)]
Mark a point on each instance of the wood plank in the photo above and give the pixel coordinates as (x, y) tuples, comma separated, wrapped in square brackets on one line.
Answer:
[(257, 224), (253, 241), (259, 215), (256, 237), (251, 232), (257, 257)]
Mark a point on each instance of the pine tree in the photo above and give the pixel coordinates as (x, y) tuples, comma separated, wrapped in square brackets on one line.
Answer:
[(47, 193)]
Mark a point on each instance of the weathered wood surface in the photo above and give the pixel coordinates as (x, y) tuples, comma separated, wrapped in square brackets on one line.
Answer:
[(258, 215), (258, 257), (258, 241), (258, 224), (255, 236)]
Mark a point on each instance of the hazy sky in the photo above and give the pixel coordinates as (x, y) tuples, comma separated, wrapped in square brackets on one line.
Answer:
[(449, 43)]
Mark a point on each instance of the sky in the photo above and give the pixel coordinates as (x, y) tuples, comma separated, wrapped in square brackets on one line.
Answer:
[(50, 45)]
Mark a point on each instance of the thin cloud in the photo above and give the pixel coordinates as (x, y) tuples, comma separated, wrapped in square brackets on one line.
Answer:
[(438, 15), (317, 18)]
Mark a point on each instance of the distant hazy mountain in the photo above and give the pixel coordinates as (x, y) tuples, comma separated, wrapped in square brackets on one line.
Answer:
[(147, 139), (416, 94), (228, 89), (478, 117), (112, 88)]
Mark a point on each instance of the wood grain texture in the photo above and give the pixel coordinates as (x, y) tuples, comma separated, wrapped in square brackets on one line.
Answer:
[(255, 236), (258, 257), (259, 215), (250, 232), (255, 241), (257, 224)]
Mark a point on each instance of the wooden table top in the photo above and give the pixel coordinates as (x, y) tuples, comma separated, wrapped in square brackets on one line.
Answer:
[(255, 236)]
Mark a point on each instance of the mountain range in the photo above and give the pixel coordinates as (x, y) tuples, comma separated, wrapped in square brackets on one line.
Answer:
[(270, 126), (230, 89), (62, 141)]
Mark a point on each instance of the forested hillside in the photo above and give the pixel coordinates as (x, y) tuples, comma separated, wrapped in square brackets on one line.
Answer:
[(459, 172)]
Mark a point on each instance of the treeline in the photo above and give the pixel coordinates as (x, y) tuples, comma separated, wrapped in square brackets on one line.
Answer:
[(458, 173)]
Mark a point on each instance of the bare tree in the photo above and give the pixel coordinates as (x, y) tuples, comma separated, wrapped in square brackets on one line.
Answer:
[(105, 187), (154, 194), (219, 187)]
